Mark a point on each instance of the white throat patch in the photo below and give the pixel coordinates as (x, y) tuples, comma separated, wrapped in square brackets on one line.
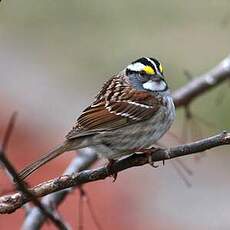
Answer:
[(154, 86)]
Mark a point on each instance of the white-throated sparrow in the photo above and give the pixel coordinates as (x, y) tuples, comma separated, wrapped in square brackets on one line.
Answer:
[(132, 111)]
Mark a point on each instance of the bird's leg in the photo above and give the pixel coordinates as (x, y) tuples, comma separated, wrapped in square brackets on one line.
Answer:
[(160, 146), (109, 168)]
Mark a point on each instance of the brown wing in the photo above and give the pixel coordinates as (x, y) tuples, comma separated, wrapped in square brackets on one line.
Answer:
[(116, 105)]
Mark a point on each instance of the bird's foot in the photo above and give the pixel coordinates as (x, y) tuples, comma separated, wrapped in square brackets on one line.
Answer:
[(109, 169), (148, 153)]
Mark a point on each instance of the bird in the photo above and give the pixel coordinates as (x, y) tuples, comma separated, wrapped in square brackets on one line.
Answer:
[(132, 111)]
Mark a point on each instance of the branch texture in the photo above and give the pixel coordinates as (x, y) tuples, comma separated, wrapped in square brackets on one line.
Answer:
[(10, 203)]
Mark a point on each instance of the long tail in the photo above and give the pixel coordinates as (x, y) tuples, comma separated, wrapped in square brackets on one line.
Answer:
[(43, 160)]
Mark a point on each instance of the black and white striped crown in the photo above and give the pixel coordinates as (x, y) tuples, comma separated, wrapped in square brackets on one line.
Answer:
[(147, 64)]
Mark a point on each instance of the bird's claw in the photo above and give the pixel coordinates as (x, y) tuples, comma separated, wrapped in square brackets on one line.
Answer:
[(109, 167)]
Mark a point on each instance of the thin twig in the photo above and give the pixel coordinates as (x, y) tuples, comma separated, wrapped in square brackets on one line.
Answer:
[(81, 209), (8, 132), (181, 175), (92, 213)]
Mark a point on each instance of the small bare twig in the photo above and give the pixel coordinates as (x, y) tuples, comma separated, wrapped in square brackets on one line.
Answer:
[(21, 186), (85, 197), (8, 132), (92, 213), (181, 174), (10, 203), (81, 209)]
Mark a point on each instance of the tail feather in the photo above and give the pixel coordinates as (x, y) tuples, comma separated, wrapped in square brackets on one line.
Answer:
[(43, 160)]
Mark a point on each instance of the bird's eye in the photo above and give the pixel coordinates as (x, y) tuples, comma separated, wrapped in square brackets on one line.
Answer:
[(142, 73), (144, 77)]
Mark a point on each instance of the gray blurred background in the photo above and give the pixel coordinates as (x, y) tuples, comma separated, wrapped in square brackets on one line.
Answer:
[(55, 55)]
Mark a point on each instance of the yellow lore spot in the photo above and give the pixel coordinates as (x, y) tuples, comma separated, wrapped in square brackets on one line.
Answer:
[(161, 68), (149, 70)]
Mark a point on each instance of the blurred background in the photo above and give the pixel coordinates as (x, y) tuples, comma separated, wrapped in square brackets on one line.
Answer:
[(54, 57)]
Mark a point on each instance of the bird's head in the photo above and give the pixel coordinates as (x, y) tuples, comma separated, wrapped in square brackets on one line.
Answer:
[(147, 73)]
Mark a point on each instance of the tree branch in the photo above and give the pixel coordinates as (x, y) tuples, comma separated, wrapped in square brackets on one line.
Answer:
[(10, 203), (203, 83)]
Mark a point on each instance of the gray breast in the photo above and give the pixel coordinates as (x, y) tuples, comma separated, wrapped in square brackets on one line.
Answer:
[(138, 135)]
